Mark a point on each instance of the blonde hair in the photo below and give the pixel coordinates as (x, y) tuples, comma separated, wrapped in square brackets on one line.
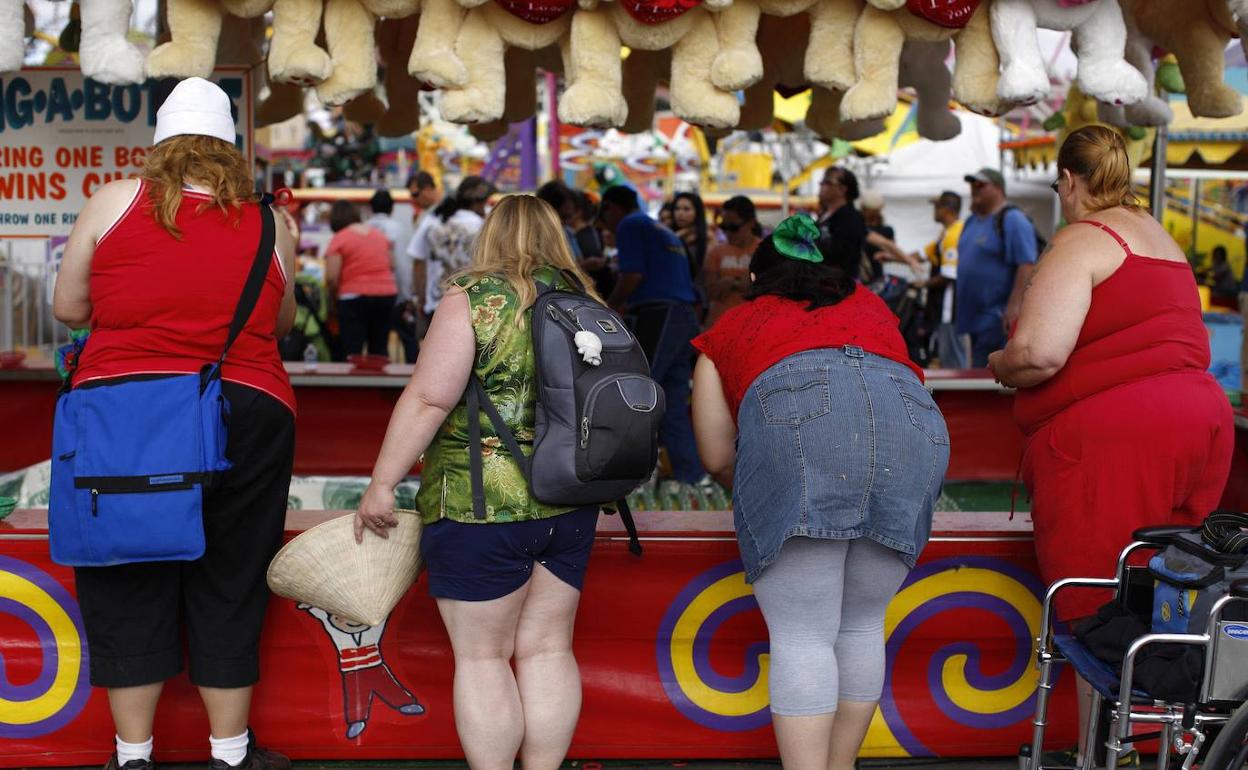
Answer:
[(522, 233), (206, 160), (1098, 154)]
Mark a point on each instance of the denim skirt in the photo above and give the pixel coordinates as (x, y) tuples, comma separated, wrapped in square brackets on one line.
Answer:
[(837, 443)]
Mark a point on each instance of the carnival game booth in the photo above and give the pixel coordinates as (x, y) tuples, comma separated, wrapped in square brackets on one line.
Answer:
[(672, 646)]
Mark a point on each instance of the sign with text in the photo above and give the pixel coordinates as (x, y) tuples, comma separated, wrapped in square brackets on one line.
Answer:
[(62, 136)]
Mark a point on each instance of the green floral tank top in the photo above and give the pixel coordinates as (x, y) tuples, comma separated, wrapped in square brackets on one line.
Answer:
[(505, 365)]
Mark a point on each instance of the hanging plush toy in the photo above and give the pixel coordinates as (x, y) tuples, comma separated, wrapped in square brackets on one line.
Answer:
[(880, 34), (1099, 40), (104, 53), (488, 31), (829, 57), (594, 72), (1197, 33), (195, 30)]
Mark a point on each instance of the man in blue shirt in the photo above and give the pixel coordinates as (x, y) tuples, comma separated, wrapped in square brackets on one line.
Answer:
[(996, 254), (655, 292)]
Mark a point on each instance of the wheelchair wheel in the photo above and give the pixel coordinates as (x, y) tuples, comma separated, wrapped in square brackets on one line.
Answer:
[(1229, 751)]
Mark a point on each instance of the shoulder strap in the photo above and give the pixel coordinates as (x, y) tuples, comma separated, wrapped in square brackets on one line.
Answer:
[(1112, 233), (998, 219), (255, 279), (477, 401)]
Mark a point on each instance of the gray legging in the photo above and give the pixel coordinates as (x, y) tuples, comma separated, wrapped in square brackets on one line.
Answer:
[(824, 603)]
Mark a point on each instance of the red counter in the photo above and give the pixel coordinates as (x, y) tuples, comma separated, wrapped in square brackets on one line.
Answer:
[(672, 647), (343, 416)]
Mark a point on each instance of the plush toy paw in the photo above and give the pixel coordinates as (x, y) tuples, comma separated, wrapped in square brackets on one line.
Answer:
[(1114, 82), (1214, 100), (180, 60), (471, 105), (866, 102), (305, 66), (365, 108), (887, 5), (343, 86), (1022, 85), (1152, 111), (116, 62), (938, 124), (711, 108), (439, 67), (589, 104), (737, 68)]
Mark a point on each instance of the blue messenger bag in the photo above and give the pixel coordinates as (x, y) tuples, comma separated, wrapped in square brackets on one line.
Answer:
[(133, 456)]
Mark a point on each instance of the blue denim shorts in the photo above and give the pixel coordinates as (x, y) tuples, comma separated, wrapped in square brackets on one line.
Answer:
[(479, 562)]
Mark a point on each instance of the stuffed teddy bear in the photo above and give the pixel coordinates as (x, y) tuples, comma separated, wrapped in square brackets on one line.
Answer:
[(922, 67), (881, 32), (195, 29), (594, 95), (1197, 33), (104, 53), (829, 57), (1099, 39), (488, 31)]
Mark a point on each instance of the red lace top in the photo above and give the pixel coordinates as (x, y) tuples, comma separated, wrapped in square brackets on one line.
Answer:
[(160, 305), (751, 338), (1144, 320)]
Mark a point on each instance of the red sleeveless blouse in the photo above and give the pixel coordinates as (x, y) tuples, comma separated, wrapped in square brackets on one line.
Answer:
[(163, 305), (1144, 321)]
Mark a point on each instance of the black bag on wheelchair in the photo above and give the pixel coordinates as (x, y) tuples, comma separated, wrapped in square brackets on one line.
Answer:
[(1197, 569)]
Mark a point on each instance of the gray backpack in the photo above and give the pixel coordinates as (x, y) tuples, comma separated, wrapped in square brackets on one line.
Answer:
[(597, 426)]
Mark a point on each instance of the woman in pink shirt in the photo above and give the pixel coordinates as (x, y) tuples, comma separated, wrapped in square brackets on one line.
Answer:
[(359, 272)]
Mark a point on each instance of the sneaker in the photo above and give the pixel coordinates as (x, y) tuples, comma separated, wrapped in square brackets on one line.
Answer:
[(134, 764), (256, 759), (1070, 758)]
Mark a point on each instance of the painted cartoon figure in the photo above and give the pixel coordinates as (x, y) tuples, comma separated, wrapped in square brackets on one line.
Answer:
[(365, 674)]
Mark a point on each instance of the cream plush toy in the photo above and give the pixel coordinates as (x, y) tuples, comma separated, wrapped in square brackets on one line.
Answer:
[(195, 30), (1197, 33), (594, 73), (1099, 40), (104, 53), (829, 57), (882, 31), (488, 31), (349, 28)]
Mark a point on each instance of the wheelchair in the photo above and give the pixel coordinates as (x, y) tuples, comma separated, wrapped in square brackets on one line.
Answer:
[(1183, 729)]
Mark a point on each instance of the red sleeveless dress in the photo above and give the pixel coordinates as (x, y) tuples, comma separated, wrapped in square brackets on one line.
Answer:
[(1131, 432), (163, 305)]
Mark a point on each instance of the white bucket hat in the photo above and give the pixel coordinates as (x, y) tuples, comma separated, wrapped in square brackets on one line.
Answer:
[(361, 582), (195, 107)]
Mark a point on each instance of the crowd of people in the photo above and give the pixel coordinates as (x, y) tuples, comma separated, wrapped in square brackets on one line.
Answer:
[(805, 400)]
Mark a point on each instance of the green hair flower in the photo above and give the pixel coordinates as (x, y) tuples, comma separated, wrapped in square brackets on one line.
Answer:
[(797, 238)]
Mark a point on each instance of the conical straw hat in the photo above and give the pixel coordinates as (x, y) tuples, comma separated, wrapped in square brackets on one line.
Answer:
[(326, 568)]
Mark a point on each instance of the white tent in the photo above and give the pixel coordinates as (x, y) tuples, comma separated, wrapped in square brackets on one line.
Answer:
[(911, 176)]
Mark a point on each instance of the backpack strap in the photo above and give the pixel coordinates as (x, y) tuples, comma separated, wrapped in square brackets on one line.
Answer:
[(477, 401), (626, 517)]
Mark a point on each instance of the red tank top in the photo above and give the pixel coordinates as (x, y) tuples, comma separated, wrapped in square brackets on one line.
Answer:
[(1144, 321), (159, 304), (751, 338)]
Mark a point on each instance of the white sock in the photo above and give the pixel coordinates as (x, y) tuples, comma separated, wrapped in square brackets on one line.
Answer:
[(231, 751), (128, 752)]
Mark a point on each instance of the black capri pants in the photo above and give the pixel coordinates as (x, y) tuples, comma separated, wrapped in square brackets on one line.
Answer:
[(134, 614)]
